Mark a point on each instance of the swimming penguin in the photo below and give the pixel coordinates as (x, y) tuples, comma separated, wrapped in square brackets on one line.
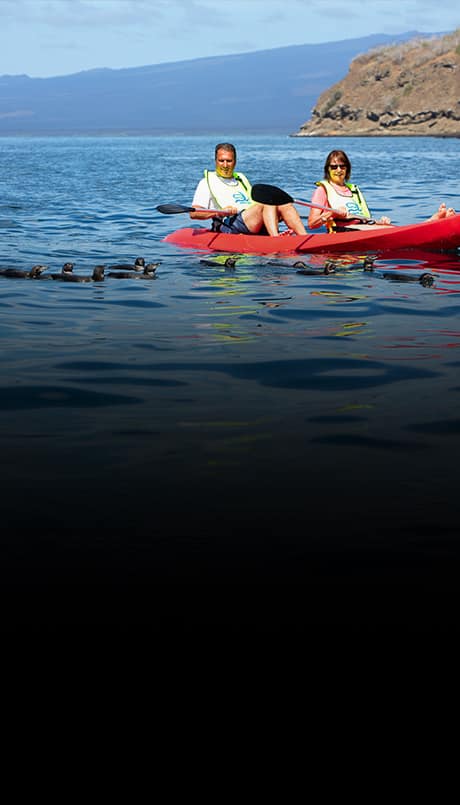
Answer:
[(19, 273), (304, 268), (147, 273), (138, 265), (69, 276), (329, 267), (228, 262), (67, 268), (426, 279)]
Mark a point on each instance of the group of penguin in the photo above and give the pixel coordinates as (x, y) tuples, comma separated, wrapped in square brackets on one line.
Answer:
[(137, 270), (331, 265)]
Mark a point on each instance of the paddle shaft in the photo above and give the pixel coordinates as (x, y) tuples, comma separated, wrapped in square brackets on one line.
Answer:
[(329, 209)]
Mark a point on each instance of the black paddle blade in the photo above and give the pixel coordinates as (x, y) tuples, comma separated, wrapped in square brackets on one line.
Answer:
[(173, 209), (269, 194)]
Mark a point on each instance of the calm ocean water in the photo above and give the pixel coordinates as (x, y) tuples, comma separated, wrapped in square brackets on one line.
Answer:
[(240, 446)]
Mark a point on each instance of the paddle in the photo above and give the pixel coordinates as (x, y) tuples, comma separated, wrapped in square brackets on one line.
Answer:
[(174, 209), (269, 194)]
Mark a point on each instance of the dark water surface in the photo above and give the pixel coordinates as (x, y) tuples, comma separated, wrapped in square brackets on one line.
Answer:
[(248, 446)]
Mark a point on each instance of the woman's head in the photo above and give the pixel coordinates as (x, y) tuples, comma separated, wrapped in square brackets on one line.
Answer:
[(337, 164)]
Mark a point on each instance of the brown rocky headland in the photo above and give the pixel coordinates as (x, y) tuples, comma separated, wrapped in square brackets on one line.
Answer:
[(409, 89)]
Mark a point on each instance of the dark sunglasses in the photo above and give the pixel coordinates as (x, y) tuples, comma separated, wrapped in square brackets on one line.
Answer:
[(334, 167)]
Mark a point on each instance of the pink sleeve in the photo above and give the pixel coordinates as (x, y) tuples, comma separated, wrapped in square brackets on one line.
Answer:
[(319, 196)]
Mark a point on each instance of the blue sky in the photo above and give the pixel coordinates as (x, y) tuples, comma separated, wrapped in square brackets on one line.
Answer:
[(57, 37)]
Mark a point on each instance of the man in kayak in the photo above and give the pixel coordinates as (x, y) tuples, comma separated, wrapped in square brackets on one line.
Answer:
[(225, 196), (335, 190)]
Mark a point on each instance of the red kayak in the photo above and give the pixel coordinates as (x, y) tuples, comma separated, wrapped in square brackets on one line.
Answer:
[(443, 235)]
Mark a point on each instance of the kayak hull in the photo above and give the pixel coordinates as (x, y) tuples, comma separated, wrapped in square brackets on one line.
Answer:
[(443, 235)]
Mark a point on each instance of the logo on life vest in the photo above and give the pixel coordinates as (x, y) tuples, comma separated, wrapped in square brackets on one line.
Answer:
[(241, 198), (353, 208)]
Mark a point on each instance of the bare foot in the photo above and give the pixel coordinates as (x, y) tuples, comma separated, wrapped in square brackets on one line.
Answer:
[(443, 212)]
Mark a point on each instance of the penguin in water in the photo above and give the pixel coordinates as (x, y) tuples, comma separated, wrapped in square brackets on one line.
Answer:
[(147, 273), (69, 276), (229, 262), (67, 268), (426, 279), (304, 268), (19, 273), (138, 265), (368, 263), (329, 267)]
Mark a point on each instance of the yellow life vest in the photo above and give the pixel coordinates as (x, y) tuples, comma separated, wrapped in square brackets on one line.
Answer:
[(354, 204), (229, 194)]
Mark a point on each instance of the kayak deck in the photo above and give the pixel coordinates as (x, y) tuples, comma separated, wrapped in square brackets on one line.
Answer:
[(442, 235)]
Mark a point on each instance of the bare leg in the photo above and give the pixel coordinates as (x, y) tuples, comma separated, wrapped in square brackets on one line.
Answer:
[(291, 218), (258, 215), (271, 218), (253, 217)]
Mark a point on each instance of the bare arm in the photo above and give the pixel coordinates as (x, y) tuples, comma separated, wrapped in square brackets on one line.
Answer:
[(319, 218), (203, 214)]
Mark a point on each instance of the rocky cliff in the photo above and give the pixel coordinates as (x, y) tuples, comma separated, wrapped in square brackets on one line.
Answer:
[(409, 89)]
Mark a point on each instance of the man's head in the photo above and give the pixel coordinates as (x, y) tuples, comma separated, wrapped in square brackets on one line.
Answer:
[(225, 156)]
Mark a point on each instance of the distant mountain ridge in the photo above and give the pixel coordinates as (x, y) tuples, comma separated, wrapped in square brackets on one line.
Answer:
[(408, 89), (260, 92)]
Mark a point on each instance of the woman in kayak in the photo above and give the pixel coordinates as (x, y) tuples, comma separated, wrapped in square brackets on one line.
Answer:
[(335, 190), (225, 196)]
